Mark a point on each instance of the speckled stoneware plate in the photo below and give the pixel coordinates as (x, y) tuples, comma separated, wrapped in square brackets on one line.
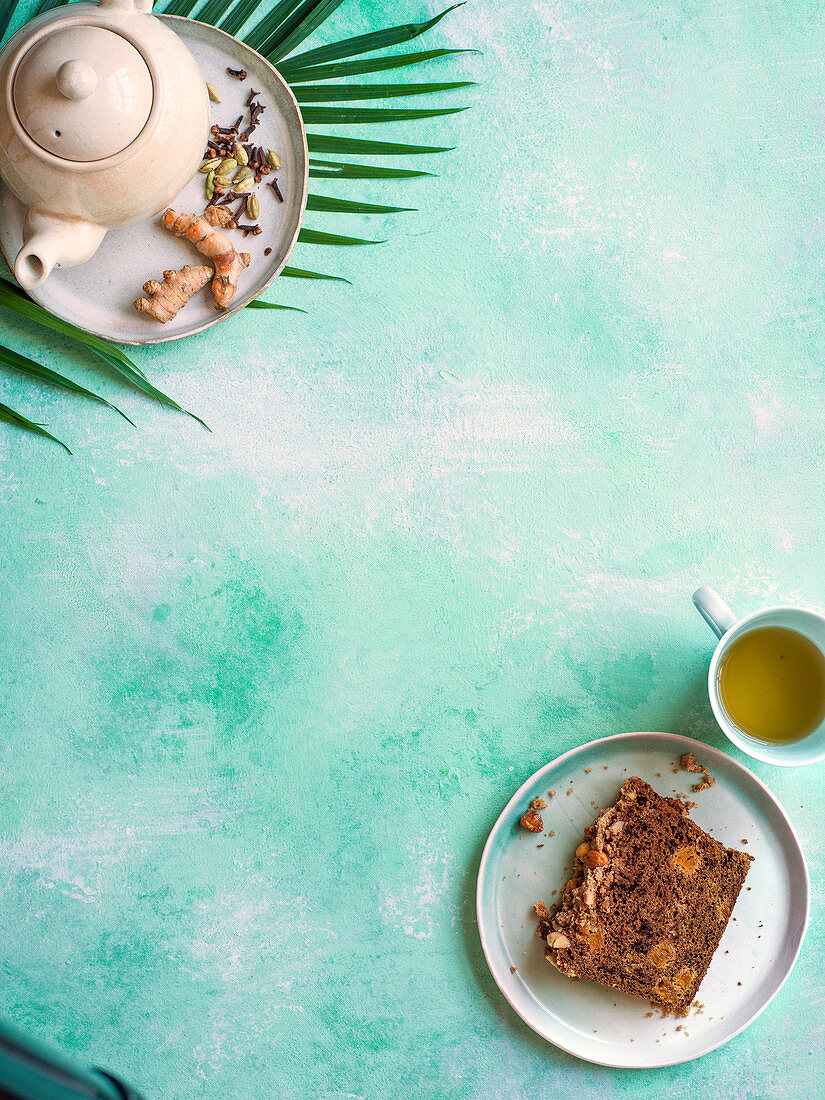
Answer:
[(759, 946), (98, 296)]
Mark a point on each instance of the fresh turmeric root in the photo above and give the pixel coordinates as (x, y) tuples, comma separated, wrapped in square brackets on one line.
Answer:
[(166, 298), (222, 216), (213, 244)]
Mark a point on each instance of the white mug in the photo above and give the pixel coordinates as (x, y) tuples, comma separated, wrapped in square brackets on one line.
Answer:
[(728, 628)]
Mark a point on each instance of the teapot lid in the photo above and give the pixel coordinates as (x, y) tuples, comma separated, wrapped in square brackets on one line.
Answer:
[(83, 93)]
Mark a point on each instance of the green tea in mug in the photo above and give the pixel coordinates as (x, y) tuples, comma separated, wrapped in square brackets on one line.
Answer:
[(772, 684)]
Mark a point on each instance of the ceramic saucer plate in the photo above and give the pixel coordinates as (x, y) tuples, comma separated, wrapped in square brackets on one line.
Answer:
[(758, 949), (98, 295)]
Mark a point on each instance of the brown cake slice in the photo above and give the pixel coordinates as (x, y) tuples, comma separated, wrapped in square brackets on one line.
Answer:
[(648, 902)]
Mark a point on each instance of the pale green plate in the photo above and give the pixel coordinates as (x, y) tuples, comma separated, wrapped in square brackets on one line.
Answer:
[(758, 950)]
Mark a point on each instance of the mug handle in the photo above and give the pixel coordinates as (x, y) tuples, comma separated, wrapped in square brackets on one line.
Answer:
[(714, 610)]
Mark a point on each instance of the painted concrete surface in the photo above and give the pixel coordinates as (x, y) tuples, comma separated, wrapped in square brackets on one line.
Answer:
[(265, 690)]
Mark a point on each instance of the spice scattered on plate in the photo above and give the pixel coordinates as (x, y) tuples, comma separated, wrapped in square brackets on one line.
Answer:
[(690, 764)]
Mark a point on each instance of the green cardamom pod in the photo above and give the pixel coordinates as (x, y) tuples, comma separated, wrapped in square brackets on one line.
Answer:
[(208, 165), (210, 185), (273, 160), (242, 174), (241, 155), (253, 207), (244, 186), (213, 92), (228, 166)]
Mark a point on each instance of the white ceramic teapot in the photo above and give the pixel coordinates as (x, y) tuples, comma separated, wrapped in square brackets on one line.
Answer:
[(104, 116)]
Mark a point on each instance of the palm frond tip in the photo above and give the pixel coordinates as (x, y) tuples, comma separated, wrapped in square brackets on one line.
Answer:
[(10, 416)]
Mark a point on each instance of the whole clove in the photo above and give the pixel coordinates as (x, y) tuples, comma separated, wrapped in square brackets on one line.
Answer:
[(239, 74), (277, 190)]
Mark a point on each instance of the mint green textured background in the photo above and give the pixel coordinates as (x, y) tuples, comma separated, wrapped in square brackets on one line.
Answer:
[(265, 690)]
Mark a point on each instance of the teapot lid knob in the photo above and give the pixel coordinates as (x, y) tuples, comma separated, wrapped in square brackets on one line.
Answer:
[(83, 92), (76, 79)]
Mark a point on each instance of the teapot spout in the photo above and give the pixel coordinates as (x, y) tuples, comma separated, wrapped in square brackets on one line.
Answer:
[(50, 239)]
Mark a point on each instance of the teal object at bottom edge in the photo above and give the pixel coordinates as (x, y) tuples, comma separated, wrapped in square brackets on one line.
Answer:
[(31, 1071)]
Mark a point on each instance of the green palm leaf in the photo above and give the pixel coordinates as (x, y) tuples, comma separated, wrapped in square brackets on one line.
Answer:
[(333, 170), (299, 26), (288, 24), (331, 93), (241, 12), (295, 74), (20, 363), (368, 43), (300, 273), (7, 10), (180, 7), (16, 418), (12, 297), (270, 23), (327, 205), (313, 236), (329, 143), (109, 354), (256, 303), (213, 10), (48, 5), (348, 116)]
